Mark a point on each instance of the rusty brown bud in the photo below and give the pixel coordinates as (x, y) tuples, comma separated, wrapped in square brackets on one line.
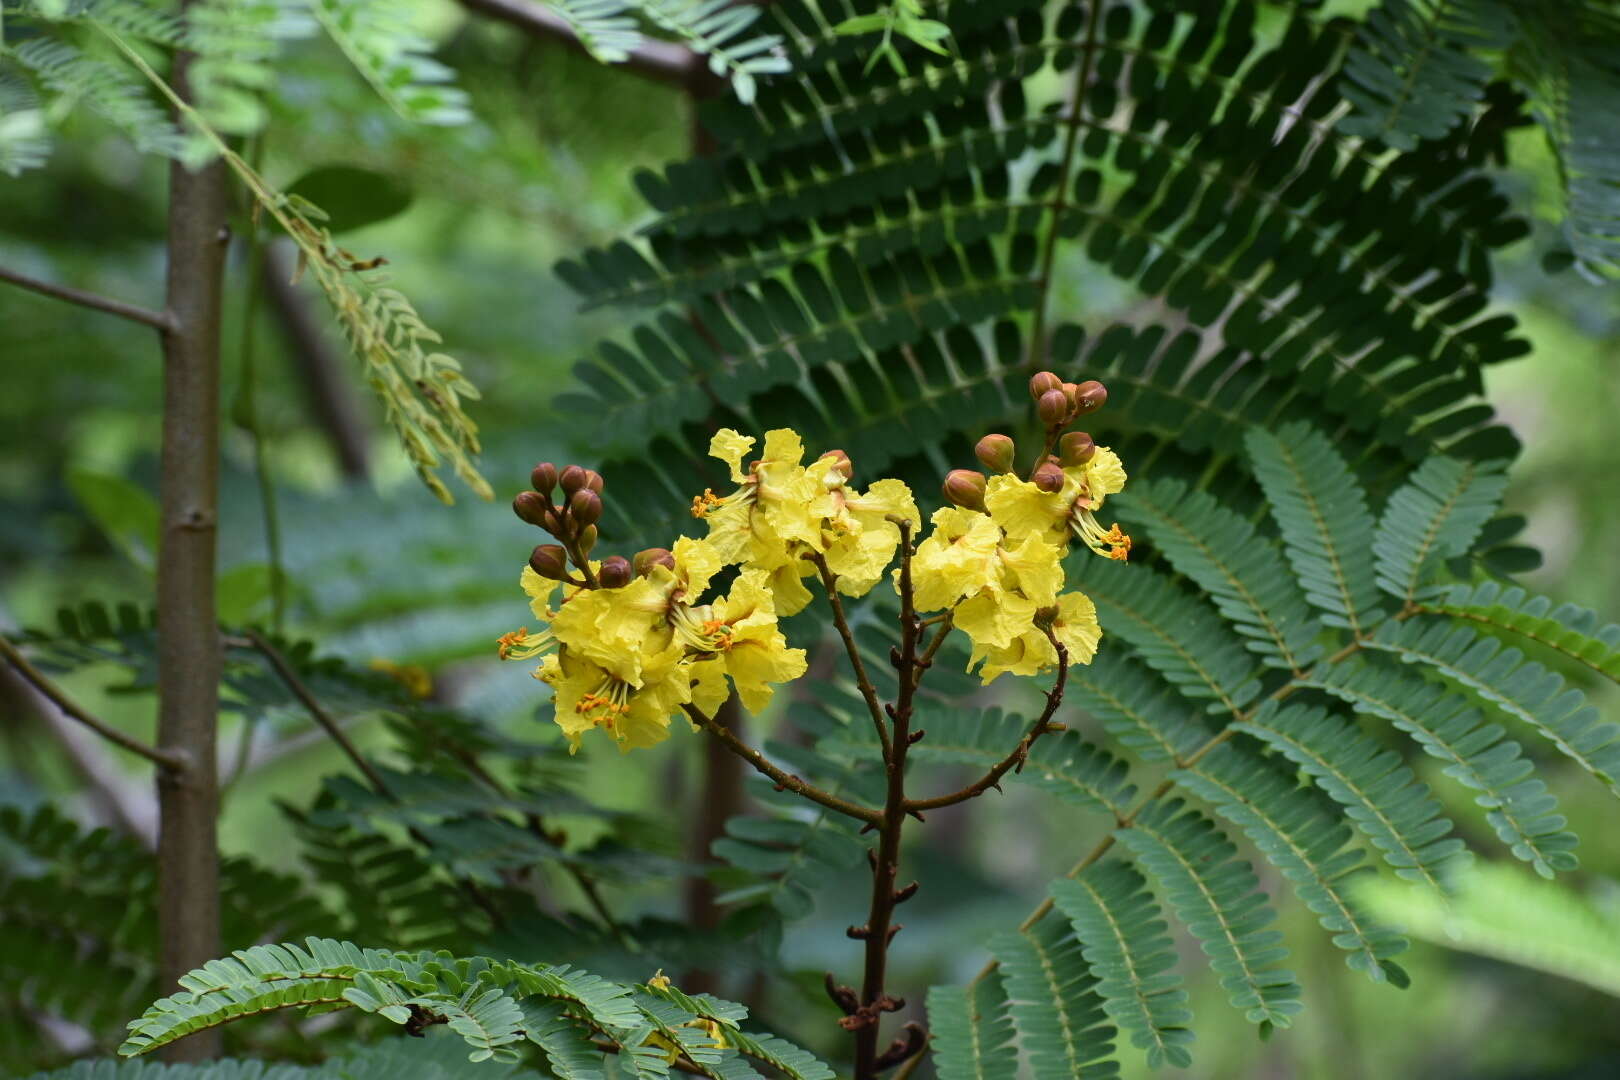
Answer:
[(1048, 477), (844, 467), (533, 507), (1089, 396), (593, 480), (651, 557), (550, 562), (996, 452), (615, 572), (1052, 408), (1076, 448), (585, 506), (544, 477), (1043, 381), (964, 487), (572, 479)]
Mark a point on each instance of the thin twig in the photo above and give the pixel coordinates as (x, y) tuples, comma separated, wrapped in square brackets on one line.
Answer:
[(35, 678), (780, 776), (829, 581), (160, 321), (317, 712), (1042, 724)]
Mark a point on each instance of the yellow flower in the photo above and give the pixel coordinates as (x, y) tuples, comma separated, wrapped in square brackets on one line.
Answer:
[(1024, 509), (635, 711), (859, 531), (741, 640), (1074, 624)]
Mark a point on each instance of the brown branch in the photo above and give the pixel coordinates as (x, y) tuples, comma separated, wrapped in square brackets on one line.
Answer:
[(35, 678), (160, 321), (780, 776), (660, 61), (829, 581), (1042, 724), (319, 714)]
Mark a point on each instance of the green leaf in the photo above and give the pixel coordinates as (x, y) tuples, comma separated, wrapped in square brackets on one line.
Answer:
[(1063, 1030), (1436, 514), (351, 197), (123, 511), (972, 1031), (1573, 631)]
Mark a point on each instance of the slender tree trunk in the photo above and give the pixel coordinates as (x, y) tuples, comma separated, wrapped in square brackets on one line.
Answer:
[(189, 650)]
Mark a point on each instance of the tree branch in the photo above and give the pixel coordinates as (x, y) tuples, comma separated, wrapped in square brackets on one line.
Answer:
[(829, 581), (161, 321), (1015, 759), (35, 678), (780, 776), (660, 61)]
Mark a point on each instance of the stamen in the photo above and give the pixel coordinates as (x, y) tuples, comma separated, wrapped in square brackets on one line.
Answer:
[(521, 645), (1110, 543)]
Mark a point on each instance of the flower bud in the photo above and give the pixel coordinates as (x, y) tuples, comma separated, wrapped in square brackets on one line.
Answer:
[(615, 572), (572, 479), (585, 506), (544, 477), (550, 562), (996, 452), (843, 466), (1076, 448), (533, 507), (1089, 396), (1052, 408), (593, 480), (1041, 382), (651, 557), (587, 539), (1048, 477), (964, 487)]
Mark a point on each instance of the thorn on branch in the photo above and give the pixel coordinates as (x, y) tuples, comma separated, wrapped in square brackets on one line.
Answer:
[(918, 814), (894, 656), (889, 708), (859, 933), (916, 736), (842, 996), (902, 895), (895, 928), (904, 1046)]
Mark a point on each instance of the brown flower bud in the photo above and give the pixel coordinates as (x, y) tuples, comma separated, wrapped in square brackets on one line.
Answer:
[(1089, 396), (1048, 477), (585, 506), (533, 507), (593, 480), (1041, 382), (651, 557), (1076, 448), (572, 479), (1052, 408), (587, 539), (550, 562), (964, 487), (544, 477), (844, 466), (615, 572), (996, 452)]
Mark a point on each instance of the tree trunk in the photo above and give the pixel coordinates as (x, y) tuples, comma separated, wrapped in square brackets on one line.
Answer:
[(189, 650)]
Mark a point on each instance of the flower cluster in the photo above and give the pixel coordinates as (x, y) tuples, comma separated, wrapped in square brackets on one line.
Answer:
[(628, 644), (994, 558)]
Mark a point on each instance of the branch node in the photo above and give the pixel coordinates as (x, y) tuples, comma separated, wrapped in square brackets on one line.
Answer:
[(902, 895), (916, 736), (903, 1047), (859, 933), (842, 996)]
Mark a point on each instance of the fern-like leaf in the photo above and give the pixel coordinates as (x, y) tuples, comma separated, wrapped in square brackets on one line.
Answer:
[(1413, 71), (380, 39), (1526, 691), (24, 141), (111, 92), (1378, 792), (1306, 841), (1063, 1029), (1216, 894), (1137, 710), (1574, 631), (1322, 513), (1126, 946), (1436, 514), (1221, 551), (973, 1031)]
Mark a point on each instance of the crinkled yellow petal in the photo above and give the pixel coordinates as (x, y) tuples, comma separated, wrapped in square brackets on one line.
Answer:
[(1077, 628), (783, 446), (757, 662), (731, 447), (1105, 475), (859, 559), (787, 587), (540, 591), (1037, 567), (992, 620), (1028, 654), (886, 498), (709, 686), (696, 561), (1022, 509), (955, 560)]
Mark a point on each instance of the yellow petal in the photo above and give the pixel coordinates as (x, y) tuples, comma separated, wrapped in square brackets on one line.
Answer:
[(783, 446), (1022, 509), (731, 447), (696, 561), (1077, 628), (1037, 568), (540, 591), (994, 621), (1105, 475)]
